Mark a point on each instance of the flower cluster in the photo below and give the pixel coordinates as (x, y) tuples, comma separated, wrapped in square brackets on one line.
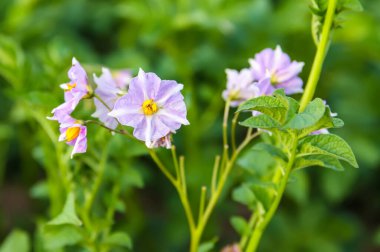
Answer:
[(269, 70), (155, 108)]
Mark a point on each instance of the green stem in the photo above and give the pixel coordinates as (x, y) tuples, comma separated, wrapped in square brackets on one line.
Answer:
[(233, 131), (215, 196), (225, 124), (319, 57), (259, 229), (103, 102)]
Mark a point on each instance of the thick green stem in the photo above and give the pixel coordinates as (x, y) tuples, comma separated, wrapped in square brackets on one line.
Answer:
[(260, 227), (319, 56)]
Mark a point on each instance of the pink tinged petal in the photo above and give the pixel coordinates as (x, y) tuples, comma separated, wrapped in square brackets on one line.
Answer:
[(289, 71), (123, 78), (78, 75), (164, 142)]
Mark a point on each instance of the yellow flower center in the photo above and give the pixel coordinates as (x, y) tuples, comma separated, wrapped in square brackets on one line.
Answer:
[(273, 80), (70, 86), (149, 107), (72, 133)]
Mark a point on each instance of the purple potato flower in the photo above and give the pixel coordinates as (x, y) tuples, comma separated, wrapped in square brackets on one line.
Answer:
[(240, 86), (153, 107), (74, 133), (281, 71), (110, 88), (75, 90)]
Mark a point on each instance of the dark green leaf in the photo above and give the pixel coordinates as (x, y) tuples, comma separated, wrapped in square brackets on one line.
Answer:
[(318, 160), (261, 121), (327, 144)]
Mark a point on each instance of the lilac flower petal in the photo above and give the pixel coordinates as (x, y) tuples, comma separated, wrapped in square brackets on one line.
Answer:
[(276, 65), (292, 86), (126, 112), (78, 75), (168, 89), (149, 84), (108, 90), (240, 86), (150, 125), (289, 72), (81, 142)]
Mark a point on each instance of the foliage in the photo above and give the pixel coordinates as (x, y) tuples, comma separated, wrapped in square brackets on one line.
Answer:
[(192, 42)]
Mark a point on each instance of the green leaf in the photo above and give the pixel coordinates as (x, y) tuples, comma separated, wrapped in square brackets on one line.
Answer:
[(271, 149), (244, 195), (208, 246), (272, 106), (17, 241), (352, 5), (262, 121), (56, 237), (318, 160), (121, 239), (327, 144), (325, 122), (68, 214), (312, 114), (240, 225)]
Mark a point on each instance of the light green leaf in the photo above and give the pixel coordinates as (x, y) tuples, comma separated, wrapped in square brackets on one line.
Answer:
[(312, 114), (56, 237), (17, 241), (262, 121), (244, 195), (208, 246), (318, 160), (327, 144), (353, 5), (325, 122), (119, 239), (240, 225), (68, 214)]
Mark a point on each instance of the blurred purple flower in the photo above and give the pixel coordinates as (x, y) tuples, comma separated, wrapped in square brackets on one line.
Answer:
[(74, 133), (281, 71), (164, 142), (75, 90), (240, 86), (153, 107), (110, 88)]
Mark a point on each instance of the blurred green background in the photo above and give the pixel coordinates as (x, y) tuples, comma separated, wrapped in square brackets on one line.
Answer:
[(191, 42)]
